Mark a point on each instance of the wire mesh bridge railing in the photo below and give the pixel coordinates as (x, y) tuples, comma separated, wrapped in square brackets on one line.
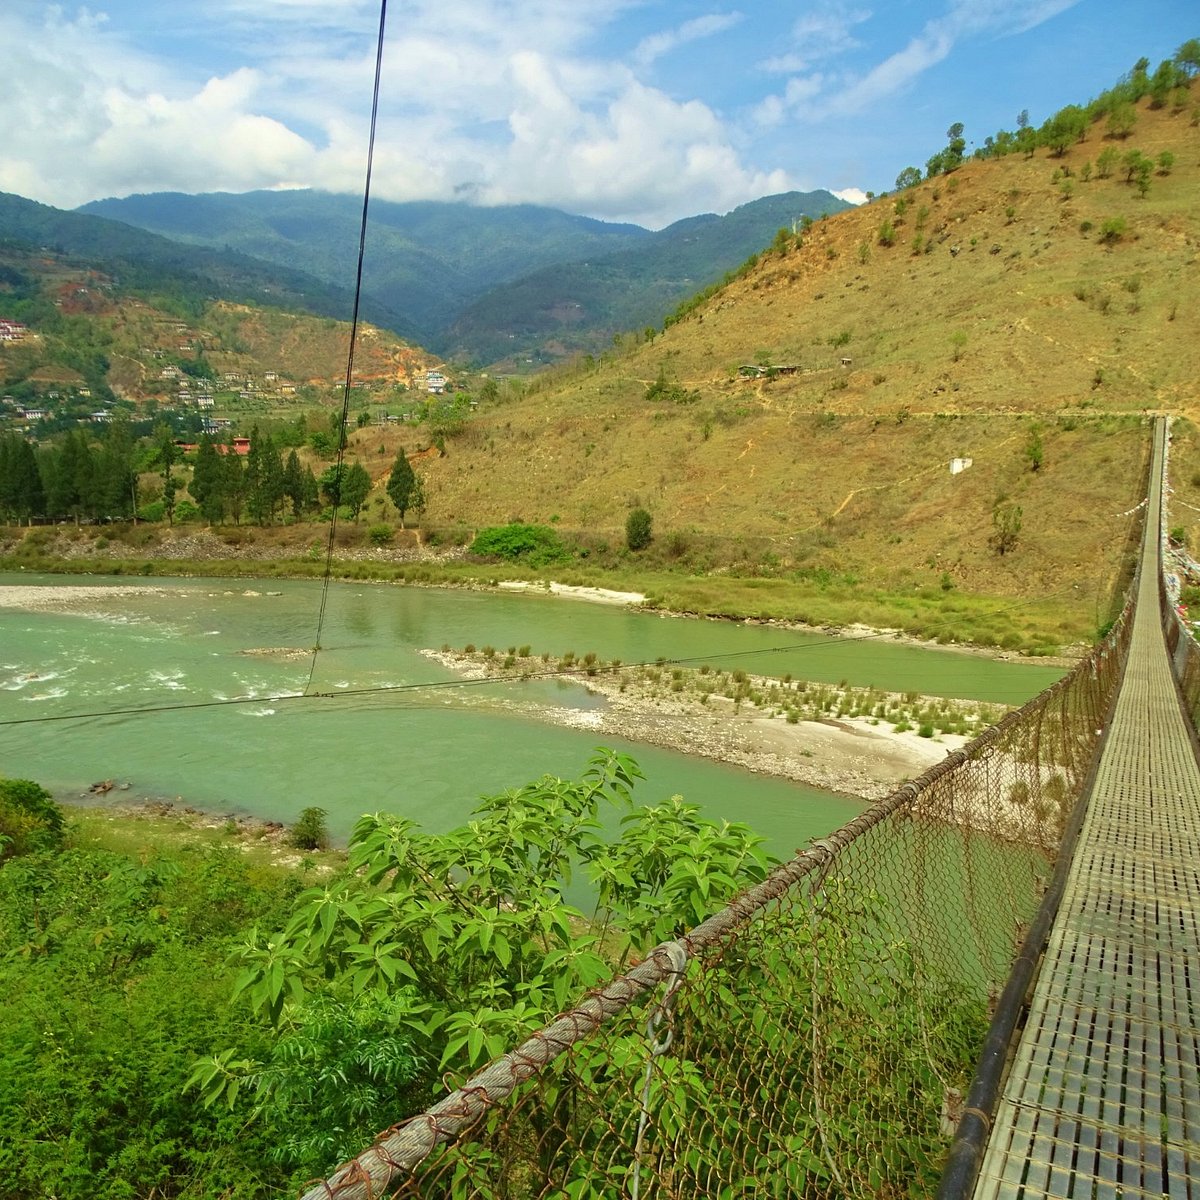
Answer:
[(813, 1038)]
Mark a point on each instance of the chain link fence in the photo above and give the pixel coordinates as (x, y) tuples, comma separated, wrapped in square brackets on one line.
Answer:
[(813, 1038)]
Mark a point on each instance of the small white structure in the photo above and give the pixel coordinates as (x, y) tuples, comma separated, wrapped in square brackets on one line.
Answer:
[(959, 465)]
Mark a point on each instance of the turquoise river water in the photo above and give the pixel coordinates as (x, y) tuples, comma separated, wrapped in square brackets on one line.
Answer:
[(425, 752)]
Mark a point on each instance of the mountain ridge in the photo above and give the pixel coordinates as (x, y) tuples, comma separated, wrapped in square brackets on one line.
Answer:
[(453, 269), (148, 262)]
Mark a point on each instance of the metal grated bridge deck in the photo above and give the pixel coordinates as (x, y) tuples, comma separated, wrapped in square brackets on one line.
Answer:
[(1103, 1096)]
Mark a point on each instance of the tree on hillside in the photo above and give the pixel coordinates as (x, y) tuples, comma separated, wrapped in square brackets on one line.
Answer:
[(956, 147), (348, 485), (208, 481), (115, 479), (294, 484), (907, 178), (401, 484), (71, 472), (22, 495), (1137, 83), (1121, 119), (1187, 57), (356, 487), (331, 482), (233, 484), (416, 502), (1166, 78), (264, 478), (1064, 129), (168, 456)]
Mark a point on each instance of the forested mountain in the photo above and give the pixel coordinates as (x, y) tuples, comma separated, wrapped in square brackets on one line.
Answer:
[(581, 305), (482, 284), (177, 276), (426, 259)]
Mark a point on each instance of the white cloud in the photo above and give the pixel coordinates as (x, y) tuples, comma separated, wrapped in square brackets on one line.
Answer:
[(641, 157), (511, 109), (816, 36), (658, 44), (90, 118), (852, 195), (828, 32)]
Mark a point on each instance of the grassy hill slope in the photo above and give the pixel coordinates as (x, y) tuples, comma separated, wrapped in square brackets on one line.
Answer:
[(1013, 324)]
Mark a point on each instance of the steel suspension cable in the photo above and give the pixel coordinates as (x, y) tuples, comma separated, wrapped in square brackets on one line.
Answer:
[(339, 462)]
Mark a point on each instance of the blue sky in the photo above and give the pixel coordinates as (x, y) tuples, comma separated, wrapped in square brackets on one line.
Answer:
[(639, 110)]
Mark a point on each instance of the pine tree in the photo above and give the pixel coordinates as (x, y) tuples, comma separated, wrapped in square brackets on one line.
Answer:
[(233, 479), (356, 487), (208, 481), (71, 475), (400, 485), (294, 484), (22, 496), (116, 480)]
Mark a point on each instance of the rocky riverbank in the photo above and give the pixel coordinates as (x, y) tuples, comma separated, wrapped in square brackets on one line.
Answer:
[(856, 741)]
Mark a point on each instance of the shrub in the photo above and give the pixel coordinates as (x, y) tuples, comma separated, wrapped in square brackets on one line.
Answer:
[(674, 393), (1112, 230), (29, 818), (536, 545), (380, 535), (638, 529), (310, 832)]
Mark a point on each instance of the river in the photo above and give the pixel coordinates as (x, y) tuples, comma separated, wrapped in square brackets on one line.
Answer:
[(426, 752)]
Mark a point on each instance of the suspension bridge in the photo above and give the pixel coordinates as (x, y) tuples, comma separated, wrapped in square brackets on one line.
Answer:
[(1035, 894)]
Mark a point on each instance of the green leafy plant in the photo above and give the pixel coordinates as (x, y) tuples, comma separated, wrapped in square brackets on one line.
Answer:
[(535, 545), (638, 529), (29, 818), (472, 930), (310, 831)]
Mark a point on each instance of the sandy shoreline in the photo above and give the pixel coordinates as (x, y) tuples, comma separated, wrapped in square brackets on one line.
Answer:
[(597, 595), (54, 597)]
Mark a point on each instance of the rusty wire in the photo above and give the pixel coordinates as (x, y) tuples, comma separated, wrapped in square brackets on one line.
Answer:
[(828, 1018)]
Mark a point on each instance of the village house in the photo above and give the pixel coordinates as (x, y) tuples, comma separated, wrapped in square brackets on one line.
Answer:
[(240, 445), (12, 331)]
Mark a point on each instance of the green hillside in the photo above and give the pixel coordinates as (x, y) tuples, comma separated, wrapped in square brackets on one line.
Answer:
[(169, 274), (96, 342), (426, 260)]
